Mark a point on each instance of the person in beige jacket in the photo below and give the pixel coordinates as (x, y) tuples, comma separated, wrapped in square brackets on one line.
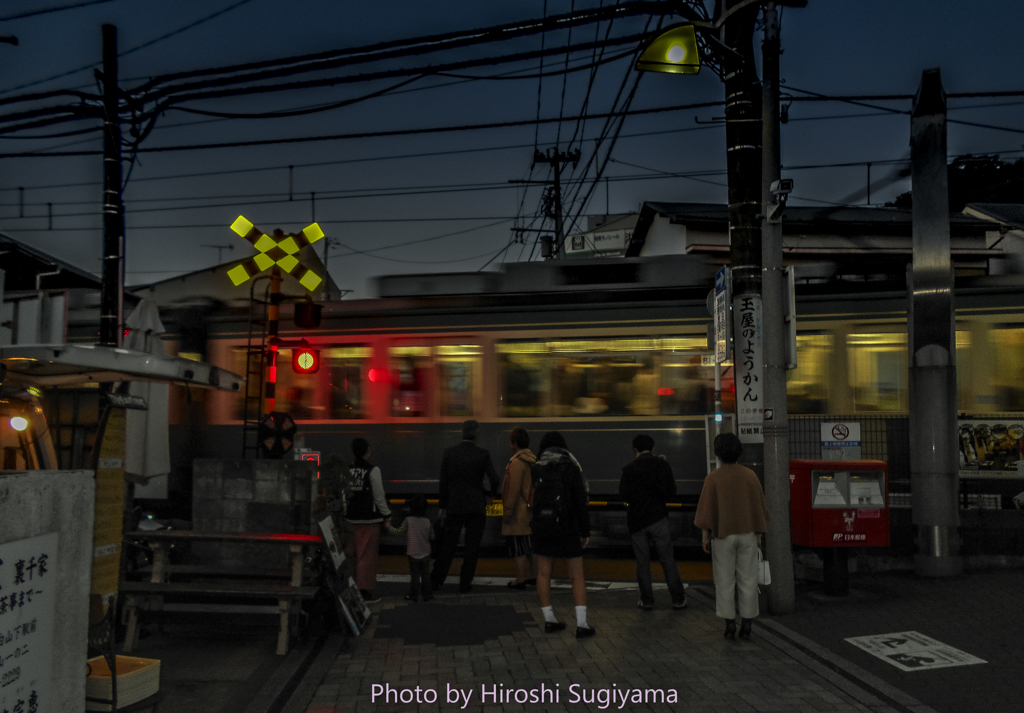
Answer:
[(516, 489), (732, 515)]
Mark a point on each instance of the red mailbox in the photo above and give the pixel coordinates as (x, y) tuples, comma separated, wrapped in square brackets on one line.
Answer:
[(835, 503)]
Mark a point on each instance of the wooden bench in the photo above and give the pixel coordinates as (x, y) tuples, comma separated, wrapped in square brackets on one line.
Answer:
[(149, 596)]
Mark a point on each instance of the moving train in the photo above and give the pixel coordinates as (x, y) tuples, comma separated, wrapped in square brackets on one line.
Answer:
[(598, 349)]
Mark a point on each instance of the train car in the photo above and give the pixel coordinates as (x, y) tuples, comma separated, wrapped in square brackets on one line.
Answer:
[(597, 349)]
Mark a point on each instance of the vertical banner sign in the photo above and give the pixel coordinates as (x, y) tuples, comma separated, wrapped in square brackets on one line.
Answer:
[(722, 316), (109, 523), (27, 586), (749, 363)]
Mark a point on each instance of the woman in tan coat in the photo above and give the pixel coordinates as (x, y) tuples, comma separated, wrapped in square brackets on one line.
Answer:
[(732, 515), (516, 489)]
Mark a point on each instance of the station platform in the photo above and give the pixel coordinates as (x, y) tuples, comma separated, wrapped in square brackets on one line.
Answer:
[(493, 639)]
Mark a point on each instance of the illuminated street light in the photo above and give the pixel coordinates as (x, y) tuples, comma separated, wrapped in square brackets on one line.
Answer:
[(273, 251), (673, 51), (19, 423)]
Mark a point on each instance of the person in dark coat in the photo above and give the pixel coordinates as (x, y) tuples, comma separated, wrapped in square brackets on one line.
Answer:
[(462, 504), (646, 484), (568, 544)]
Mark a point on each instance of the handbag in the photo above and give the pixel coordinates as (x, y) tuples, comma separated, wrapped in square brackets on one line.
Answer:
[(764, 570)]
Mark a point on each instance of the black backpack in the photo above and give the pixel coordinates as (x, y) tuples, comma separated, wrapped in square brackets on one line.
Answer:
[(552, 514)]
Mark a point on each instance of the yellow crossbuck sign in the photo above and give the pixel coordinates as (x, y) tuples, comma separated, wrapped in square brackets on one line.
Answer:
[(273, 251)]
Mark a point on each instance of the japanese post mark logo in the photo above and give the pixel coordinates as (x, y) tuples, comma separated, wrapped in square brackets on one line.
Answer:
[(840, 431)]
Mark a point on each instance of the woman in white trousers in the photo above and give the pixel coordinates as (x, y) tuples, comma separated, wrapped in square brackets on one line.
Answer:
[(732, 515)]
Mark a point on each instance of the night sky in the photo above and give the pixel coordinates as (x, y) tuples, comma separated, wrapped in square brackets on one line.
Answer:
[(179, 201)]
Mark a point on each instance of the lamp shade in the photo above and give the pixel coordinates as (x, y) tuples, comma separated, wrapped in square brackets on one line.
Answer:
[(673, 51)]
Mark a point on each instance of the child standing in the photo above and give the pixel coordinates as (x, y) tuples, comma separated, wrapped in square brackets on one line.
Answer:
[(418, 535)]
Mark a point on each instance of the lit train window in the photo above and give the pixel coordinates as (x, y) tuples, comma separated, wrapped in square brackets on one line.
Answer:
[(1008, 369), (807, 385), (410, 370), (335, 392), (458, 371), (604, 377), (878, 371)]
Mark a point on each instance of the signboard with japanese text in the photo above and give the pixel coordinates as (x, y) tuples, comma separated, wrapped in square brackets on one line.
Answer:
[(27, 594), (749, 361), (911, 651), (840, 441), (990, 448), (722, 316), (613, 242)]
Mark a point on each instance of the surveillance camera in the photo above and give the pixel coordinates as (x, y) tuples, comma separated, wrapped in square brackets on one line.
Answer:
[(782, 187)]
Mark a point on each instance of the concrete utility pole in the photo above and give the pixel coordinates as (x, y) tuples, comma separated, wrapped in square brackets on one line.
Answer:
[(782, 592), (743, 160), (112, 288), (555, 159), (934, 478)]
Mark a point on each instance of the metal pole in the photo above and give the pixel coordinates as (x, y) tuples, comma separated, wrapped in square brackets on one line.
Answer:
[(327, 274), (112, 288), (743, 161), (273, 321), (778, 548), (559, 228), (934, 478)]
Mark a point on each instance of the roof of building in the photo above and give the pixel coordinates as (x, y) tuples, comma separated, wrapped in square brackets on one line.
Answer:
[(22, 264), (1010, 214)]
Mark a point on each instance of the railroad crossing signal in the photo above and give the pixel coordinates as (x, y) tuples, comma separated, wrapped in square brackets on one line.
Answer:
[(276, 250)]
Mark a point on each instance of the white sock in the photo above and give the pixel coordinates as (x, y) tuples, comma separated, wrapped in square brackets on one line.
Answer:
[(549, 615), (581, 617)]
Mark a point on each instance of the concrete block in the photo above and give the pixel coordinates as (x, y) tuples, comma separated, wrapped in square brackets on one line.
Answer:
[(39, 503), (206, 488), (267, 491), (234, 509), (238, 489)]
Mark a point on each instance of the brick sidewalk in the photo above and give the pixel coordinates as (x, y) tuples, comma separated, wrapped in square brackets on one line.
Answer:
[(490, 639)]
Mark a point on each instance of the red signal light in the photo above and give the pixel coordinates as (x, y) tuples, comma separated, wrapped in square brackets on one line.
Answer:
[(373, 375), (666, 391), (306, 361)]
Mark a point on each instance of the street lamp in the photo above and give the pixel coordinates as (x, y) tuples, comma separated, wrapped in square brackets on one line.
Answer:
[(674, 51)]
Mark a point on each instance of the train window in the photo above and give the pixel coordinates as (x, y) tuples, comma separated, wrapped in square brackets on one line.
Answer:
[(458, 369), (807, 385), (410, 366), (604, 377), (334, 392), (878, 371), (1008, 377), (345, 368)]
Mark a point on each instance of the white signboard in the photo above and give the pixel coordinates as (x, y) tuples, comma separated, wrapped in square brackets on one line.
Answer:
[(911, 651), (613, 241), (840, 441), (27, 588), (749, 363)]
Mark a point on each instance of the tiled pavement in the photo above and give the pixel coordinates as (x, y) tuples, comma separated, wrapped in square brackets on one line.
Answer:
[(495, 637)]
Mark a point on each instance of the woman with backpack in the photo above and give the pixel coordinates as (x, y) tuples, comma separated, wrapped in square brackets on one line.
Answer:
[(560, 527)]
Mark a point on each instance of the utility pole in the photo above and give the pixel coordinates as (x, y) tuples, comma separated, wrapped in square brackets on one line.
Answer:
[(112, 288), (934, 477), (743, 160), (778, 548), (555, 159)]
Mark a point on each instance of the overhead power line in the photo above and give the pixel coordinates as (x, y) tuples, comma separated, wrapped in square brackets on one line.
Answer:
[(48, 10)]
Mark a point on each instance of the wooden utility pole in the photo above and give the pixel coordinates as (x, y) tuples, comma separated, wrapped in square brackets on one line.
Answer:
[(112, 288)]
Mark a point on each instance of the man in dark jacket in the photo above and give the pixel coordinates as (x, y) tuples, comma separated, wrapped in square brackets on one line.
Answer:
[(462, 504), (646, 484)]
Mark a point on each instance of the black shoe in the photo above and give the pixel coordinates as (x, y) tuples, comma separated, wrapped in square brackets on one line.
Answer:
[(369, 597), (730, 629), (585, 632), (680, 605), (531, 582), (465, 588), (646, 607), (550, 627), (745, 629), (517, 585), (409, 598)]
